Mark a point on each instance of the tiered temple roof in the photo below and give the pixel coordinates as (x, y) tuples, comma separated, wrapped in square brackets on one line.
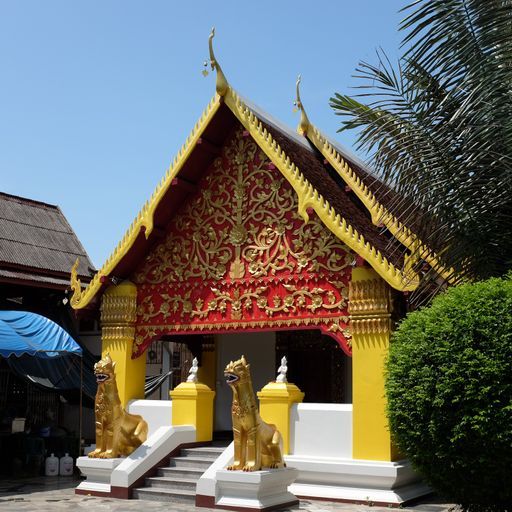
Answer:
[(328, 180)]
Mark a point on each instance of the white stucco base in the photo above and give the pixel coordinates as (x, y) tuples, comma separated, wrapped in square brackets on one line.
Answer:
[(105, 475), (156, 413), (336, 479), (97, 473), (258, 490), (149, 453), (356, 480)]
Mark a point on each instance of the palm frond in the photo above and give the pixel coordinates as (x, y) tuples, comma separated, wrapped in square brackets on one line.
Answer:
[(437, 128)]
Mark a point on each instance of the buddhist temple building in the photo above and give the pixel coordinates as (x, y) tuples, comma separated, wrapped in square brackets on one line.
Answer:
[(269, 242)]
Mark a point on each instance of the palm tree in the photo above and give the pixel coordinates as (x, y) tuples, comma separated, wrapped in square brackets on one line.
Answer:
[(437, 128)]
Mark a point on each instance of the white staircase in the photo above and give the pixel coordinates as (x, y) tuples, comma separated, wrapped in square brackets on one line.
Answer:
[(177, 481)]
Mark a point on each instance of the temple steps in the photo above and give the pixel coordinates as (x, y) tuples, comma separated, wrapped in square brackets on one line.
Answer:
[(177, 481)]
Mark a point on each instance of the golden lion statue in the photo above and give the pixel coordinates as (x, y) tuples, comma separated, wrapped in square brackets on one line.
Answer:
[(117, 432), (257, 444)]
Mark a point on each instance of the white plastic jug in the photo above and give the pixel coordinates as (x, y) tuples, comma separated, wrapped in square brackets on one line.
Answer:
[(66, 465), (51, 467)]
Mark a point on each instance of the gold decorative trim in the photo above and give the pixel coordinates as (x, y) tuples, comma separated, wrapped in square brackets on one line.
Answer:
[(117, 333), (370, 325), (118, 311), (145, 217), (369, 297), (309, 197), (76, 285), (380, 215), (332, 322), (370, 305)]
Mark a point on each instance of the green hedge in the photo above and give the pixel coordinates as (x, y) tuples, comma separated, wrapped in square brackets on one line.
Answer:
[(449, 390)]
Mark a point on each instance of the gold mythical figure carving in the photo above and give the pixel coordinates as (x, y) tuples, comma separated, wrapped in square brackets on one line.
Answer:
[(257, 444), (118, 433)]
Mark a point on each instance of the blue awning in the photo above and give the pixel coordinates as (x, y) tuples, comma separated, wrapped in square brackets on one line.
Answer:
[(32, 334)]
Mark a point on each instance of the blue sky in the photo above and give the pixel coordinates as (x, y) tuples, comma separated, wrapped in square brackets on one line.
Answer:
[(96, 97)]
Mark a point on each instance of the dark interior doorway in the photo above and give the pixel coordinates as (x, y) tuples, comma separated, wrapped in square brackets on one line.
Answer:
[(317, 365)]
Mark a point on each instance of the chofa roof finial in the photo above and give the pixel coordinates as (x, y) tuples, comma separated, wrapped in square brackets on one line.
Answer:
[(304, 121), (221, 84)]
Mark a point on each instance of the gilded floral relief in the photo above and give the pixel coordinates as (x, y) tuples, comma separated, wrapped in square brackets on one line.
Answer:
[(239, 256)]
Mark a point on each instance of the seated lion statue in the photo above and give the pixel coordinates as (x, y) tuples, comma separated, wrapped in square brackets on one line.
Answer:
[(118, 433), (257, 444)]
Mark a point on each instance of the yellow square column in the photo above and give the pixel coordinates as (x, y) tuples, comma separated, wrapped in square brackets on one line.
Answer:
[(118, 316), (370, 307), (192, 404), (276, 399)]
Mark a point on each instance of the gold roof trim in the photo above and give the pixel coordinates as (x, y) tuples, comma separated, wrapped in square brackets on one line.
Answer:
[(144, 219), (309, 197), (379, 214)]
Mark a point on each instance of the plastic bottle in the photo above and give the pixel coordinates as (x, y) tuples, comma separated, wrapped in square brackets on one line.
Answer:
[(51, 466), (66, 465)]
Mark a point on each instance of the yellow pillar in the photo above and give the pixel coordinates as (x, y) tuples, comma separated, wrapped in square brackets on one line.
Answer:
[(276, 399), (192, 404), (370, 308), (118, 315)]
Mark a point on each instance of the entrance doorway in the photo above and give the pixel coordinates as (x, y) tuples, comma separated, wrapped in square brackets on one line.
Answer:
[(317, 365)]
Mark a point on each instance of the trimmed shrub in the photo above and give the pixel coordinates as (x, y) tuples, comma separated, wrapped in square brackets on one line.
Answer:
[(449, 390)]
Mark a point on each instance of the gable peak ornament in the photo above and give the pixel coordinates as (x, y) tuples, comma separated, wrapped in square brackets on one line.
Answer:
[(221, 84)]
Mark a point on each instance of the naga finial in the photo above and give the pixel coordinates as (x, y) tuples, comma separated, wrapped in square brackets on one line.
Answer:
[(221, 84), (304, 121), (76, 285)]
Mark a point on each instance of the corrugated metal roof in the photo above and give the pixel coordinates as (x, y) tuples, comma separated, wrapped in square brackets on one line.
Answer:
[(38, 236)]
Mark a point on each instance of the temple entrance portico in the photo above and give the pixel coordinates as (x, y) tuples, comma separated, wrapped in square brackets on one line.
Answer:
[(266, 242)]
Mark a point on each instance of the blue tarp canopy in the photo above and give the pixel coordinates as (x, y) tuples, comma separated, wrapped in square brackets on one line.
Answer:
[(28, 333)]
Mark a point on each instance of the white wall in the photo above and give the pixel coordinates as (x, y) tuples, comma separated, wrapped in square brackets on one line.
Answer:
[(260, 351), (321, 430)]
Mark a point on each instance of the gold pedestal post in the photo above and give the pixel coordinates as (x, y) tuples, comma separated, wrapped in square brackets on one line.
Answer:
[(276, 399), (192, 404), (118, 315), (370, 307)]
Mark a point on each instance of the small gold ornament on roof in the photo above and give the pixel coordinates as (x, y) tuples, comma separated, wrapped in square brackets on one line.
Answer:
[(221, 84), (304, 121)]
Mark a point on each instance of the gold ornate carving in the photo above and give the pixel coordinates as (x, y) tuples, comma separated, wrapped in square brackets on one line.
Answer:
[(240, 254), (256, 443), (239, 227), (76, 285), (294, 300), (370, 306), (119, 305), (117, 333), (400, 279), (328, 324), (117, 432), (369, 297)]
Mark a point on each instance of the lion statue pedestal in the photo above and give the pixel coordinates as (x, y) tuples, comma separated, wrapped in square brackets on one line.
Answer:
[(258, 477)]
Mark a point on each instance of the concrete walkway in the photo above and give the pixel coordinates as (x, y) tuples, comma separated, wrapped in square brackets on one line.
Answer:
[(55, 494)]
